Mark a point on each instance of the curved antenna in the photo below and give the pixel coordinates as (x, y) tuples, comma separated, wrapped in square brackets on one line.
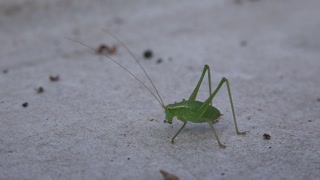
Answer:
[(136, 59), (160, 101)]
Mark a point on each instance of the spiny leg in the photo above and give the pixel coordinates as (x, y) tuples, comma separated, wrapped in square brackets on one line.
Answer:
[(215, 134), (205, 105), (196, 89), (184, 124)]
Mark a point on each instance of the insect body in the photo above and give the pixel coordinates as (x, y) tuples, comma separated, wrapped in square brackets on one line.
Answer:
[(200, 112), (189, 110)]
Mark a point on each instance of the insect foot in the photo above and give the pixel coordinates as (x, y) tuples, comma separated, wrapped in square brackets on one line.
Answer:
[(222, 146), (242, 133)]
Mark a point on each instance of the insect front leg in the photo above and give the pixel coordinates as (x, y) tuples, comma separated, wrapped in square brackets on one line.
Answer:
[(184, 124)]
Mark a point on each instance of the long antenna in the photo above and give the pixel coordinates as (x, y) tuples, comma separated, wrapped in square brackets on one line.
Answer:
[(159, 100), (136, 59)]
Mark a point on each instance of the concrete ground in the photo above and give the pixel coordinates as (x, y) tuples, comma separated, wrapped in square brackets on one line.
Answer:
[(97, 122)]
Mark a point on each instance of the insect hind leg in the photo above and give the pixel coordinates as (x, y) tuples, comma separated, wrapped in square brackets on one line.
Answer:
[(205, 105), (193, 96)]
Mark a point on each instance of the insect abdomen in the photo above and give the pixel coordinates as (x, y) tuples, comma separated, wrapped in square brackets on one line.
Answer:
[(189, 112)]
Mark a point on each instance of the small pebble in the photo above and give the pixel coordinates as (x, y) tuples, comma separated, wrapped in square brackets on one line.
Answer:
[(25, 104), (40, 90), (159, 61), (106, 49), (147, 54), (54, 78), (266, 136), (102, 48)]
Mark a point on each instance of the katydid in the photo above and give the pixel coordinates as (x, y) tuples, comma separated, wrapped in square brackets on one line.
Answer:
[(189, 110)]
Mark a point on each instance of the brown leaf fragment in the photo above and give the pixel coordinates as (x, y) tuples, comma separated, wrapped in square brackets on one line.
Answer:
[(168, 176)]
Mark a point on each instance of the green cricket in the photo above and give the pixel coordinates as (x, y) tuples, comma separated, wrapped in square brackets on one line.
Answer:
[(189, 110)]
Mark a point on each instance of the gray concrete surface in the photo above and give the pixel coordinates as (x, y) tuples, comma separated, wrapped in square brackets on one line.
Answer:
[(96, 122)]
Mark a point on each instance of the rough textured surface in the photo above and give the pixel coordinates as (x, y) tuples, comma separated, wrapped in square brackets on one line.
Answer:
[(96, 122)]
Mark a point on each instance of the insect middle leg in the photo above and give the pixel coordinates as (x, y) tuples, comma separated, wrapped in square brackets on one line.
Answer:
[(215, 134)]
